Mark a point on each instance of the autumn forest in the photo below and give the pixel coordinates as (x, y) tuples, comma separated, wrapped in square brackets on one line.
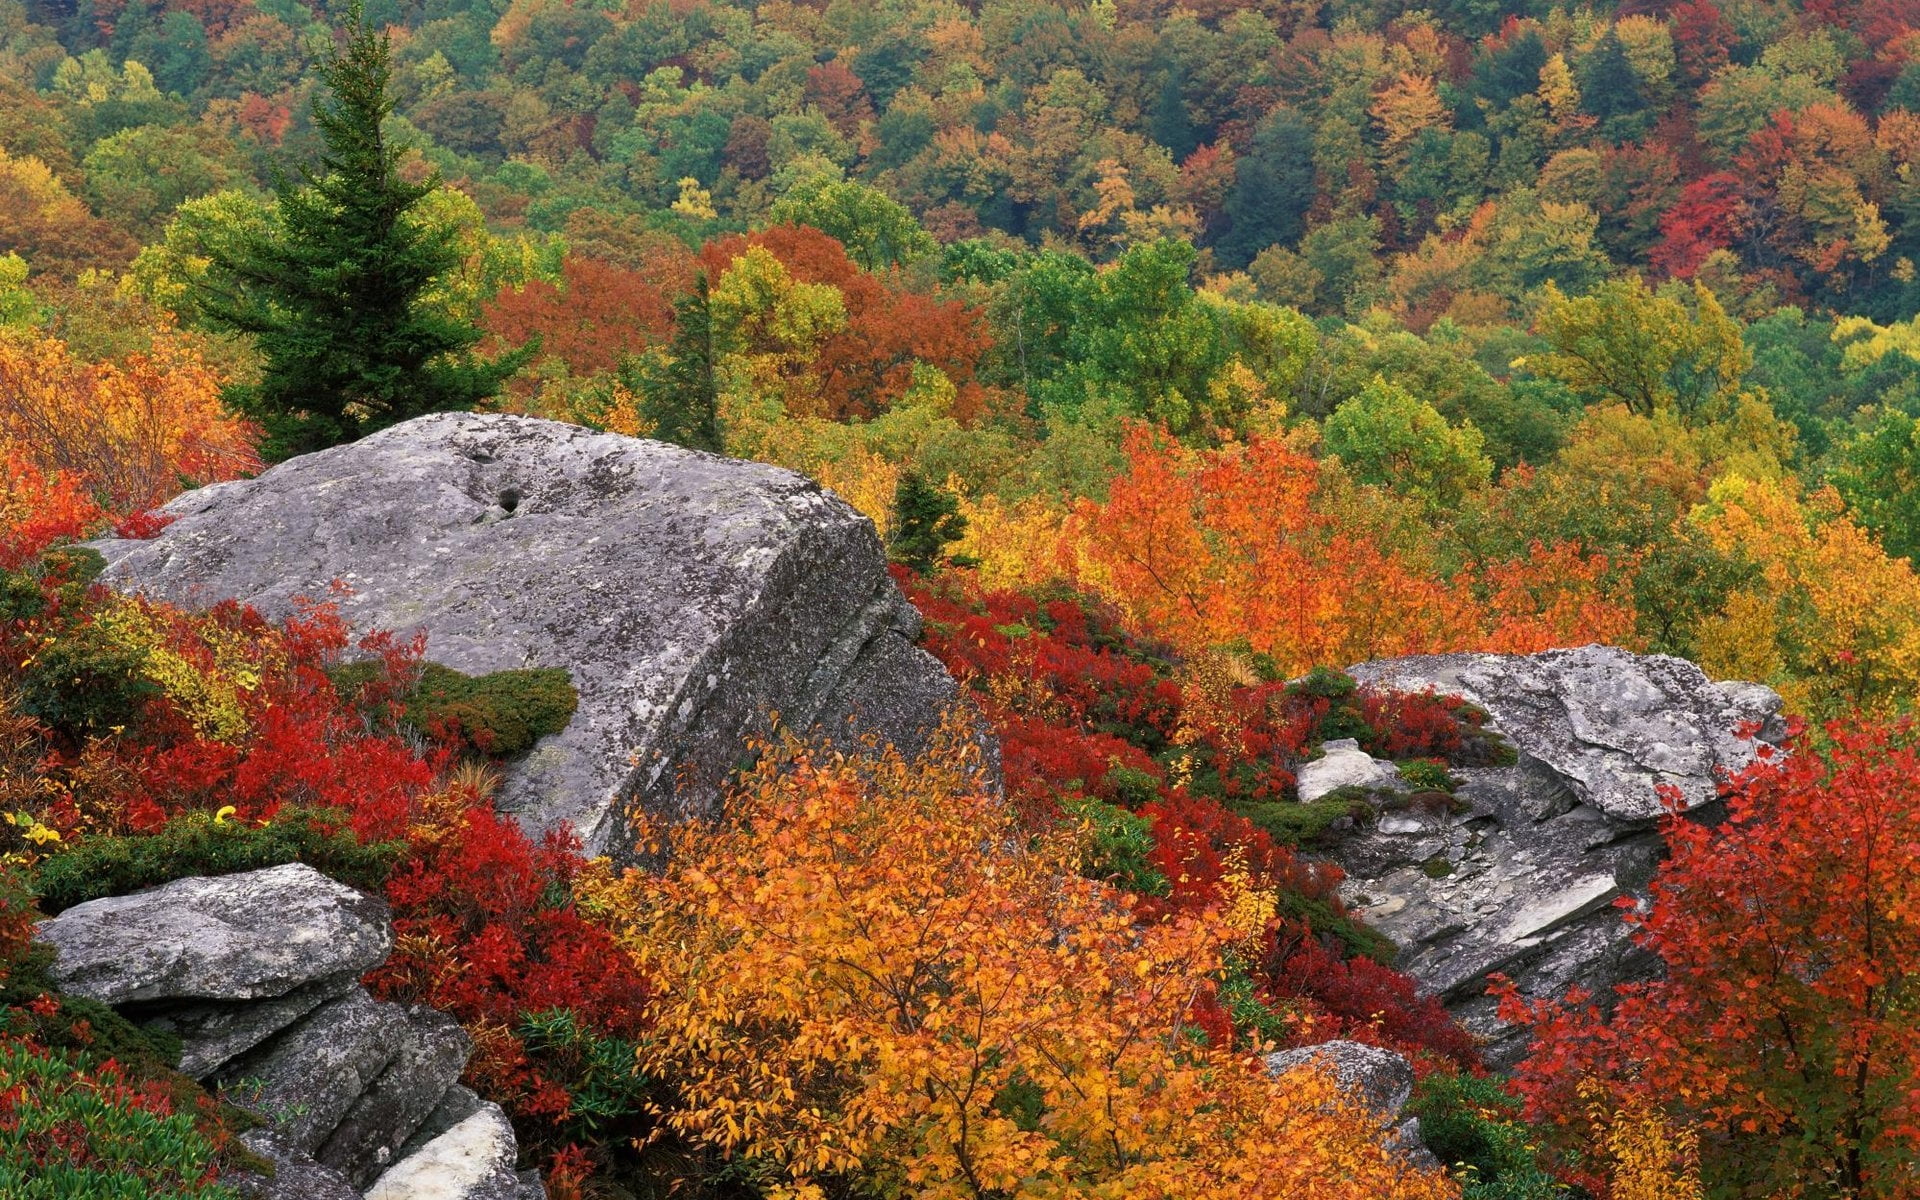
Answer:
[(1183, 356)]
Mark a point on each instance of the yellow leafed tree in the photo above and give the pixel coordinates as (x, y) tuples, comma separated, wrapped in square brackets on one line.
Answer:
[(866, 975), (1834, 613)]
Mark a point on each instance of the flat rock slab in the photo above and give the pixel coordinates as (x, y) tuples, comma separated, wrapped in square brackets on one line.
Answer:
[(213, 1033), (250, 936), (471, 1160), (690, 596), (1618, 726)]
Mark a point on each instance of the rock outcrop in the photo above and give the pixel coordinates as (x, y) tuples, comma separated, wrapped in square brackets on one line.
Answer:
[(256, 974), (1377, 1078), (688, 595), (1522, 882)]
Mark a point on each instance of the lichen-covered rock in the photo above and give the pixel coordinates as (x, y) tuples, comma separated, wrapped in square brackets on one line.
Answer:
[(1379, 1077), (1523, 881), (471, 1160), (689, 596), (233, 937), (1617, 726), (294, 1173), (1342, 763), (433, 1052), (213, 1033), (306, 1081)]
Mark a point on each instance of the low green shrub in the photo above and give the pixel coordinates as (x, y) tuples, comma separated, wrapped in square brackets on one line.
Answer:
[(84, 684), (1472, 1125), (604, 1090), (1429, 774), (196, 844), (1357, 939), (1325, 683), (74, 1023), (75, 1130), (1120, 846), (501, 714), (1310, 823)]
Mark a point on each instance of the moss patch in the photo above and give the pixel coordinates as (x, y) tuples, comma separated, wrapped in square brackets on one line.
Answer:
[(500, 714), (196, 844)]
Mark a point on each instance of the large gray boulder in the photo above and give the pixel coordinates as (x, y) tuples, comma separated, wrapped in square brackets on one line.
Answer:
[(1524, 881), (253, 936), (690, 596), (1377, 1078)]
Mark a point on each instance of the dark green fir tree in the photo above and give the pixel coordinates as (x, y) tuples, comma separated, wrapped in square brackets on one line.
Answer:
[(678, 394), (335, 290), (926, 520)]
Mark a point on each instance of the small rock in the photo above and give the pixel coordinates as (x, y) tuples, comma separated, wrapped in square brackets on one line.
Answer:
[(1344, 764), (307, 1080), (250, 936), (473, 1160), (1380, 1078)]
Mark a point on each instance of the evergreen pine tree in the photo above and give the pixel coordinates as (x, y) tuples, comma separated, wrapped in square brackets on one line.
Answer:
[(334, 291), (678, 393), (926, 519)]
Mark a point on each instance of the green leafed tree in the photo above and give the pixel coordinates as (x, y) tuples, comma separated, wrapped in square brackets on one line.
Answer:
[(1879, 475), (877, 231), (1627, 344), (337, 291), (1388, 436), (926, 520)]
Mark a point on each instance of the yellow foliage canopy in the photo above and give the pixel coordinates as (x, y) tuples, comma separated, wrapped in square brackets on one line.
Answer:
[(130, 431)]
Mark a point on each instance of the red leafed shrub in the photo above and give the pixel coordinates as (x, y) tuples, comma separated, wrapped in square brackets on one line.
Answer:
[(1084, 710), (1783, 1027), (135, 716), (38, 509)]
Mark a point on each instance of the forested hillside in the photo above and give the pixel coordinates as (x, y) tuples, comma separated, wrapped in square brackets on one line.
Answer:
[(1182, 357)]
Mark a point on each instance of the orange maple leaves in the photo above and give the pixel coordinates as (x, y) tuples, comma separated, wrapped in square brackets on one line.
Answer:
[(1246, 545), (131, 432)]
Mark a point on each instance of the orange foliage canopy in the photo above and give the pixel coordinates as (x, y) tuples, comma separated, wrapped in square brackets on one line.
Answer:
[(599, 315), (129, 432), (864, 969), (1240, 545), (867, 366)]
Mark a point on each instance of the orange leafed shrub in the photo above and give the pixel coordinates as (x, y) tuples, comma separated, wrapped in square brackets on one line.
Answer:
[(1238, 544), (864, 970), (131, 432)]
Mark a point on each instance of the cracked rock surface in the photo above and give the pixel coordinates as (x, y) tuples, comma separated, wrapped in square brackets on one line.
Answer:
[(1524, 882), (689, 595)]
